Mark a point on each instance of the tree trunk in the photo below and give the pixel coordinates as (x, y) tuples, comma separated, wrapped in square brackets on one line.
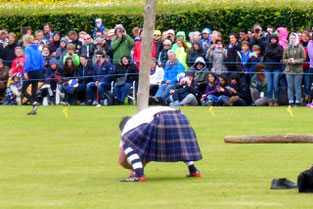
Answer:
[(282, 138), (145, 59)]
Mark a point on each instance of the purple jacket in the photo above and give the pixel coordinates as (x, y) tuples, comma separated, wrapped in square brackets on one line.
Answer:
[(310, 52)]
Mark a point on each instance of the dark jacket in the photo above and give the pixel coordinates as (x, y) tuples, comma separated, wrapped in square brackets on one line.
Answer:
[(273, 54), (104, 72), (262, 42), (84, 73), (232, 56), (183, 90), (9, 55), (163, 57), (52, 74), (87, 50), (243, 91), (130, 68), (53, 46), (193, 54)]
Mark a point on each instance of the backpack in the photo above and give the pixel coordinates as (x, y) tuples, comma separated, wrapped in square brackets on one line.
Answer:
[(283, 96), (305, 181)]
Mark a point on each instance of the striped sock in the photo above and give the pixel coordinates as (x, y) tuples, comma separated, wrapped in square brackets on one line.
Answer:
[(135, 161)]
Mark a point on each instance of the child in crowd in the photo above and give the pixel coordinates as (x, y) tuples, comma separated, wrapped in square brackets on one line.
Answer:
[(242, 60), (254, 59), (99, 26), (13, 92)]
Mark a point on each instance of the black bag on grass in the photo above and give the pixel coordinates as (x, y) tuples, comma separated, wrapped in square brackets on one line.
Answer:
[(305, 181)]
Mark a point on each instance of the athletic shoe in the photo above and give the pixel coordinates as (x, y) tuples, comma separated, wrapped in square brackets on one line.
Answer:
[(310, 105), (194, 174), (134, 179), (133, 174)]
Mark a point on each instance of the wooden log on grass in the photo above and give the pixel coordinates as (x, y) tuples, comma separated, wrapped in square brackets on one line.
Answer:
[(280, 138)]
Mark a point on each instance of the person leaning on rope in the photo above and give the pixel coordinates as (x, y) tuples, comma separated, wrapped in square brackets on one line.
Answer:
[(159, 134)]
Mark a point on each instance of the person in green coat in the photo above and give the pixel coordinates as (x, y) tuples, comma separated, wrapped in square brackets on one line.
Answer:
[(122, 44), (294, 56), (71, 54)]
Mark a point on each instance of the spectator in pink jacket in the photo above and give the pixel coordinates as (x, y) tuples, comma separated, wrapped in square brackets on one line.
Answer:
[(283, 37)]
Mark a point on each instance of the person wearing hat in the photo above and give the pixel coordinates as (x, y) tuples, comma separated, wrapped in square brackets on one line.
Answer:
[(157, 40), (137, 50), (180, 35), (55, 44), (13, 92), (98, 26), (121, 44), (184, 92), (160, 134), (206, 32), (167, 44), (102, 76)]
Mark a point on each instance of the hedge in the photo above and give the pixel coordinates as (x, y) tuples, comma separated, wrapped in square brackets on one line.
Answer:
[(223, 20)]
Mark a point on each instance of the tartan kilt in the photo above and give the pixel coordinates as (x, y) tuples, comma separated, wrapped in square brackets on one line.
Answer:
[(168, 138)]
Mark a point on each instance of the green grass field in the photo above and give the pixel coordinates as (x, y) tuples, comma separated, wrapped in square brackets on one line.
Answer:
[(47, 161)]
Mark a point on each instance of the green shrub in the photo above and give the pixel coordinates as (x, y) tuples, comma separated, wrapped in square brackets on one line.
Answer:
[(224, 20)]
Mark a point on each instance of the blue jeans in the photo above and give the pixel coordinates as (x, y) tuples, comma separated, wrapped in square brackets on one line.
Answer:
[(102, 86), (121, 92), (294, 87), (216, 99), (164, 90), (307, 81), (272, 77), (224, 100)]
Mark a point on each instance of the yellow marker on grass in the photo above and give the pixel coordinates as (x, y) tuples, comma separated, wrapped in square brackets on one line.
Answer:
[(211, 111), (65, 112), (290, 111)]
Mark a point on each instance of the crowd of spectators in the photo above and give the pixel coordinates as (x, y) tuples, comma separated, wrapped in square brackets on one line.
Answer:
[(253, 67)]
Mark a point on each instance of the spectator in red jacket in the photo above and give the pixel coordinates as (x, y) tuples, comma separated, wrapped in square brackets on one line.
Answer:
[(137, 50)]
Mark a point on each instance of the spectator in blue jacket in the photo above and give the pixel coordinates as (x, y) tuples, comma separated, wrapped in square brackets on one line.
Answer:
[(172, 69), (99, 27), (84, 76), (102, 75), (34, 65), (206, 32)]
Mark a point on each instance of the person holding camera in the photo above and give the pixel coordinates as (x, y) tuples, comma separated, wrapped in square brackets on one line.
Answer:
[(294, 56), (101, 44), (121, 44), (259, 37), (71, 54)]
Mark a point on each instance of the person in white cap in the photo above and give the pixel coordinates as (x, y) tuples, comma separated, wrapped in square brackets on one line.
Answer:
[(99, 26)]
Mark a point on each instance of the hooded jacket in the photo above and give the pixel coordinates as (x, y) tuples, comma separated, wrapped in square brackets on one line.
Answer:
[(297, 53), (193, 54), (54, 73), (183, 34), (61, 52), (34, 60), (201, 76), (273, 54), (283, 37)]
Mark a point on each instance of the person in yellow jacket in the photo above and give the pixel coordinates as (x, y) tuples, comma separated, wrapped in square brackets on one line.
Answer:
[(181, 52)]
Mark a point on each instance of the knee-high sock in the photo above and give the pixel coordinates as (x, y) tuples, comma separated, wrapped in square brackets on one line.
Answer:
[(135, 161), (192, 168)]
